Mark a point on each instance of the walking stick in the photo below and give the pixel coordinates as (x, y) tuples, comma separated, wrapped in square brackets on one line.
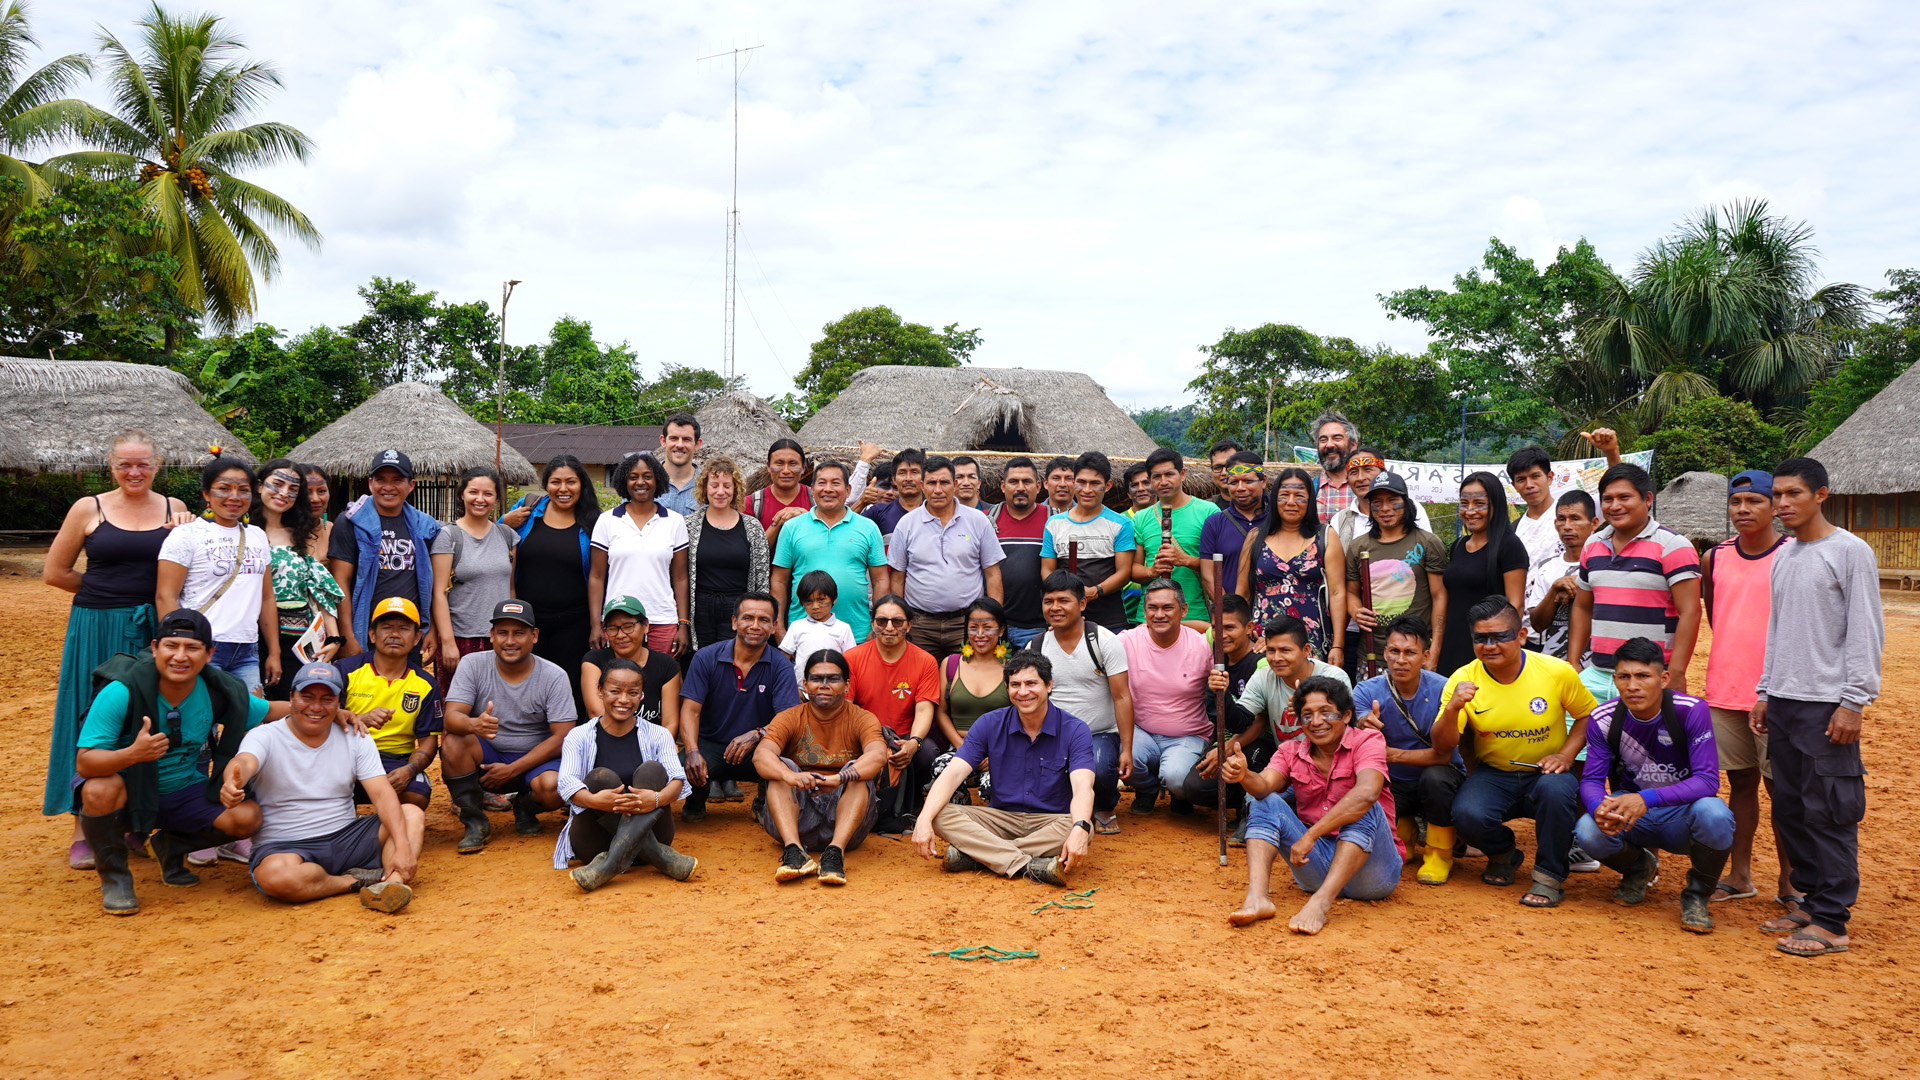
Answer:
[(1219, 711), (1371, 661), (1073, 557)]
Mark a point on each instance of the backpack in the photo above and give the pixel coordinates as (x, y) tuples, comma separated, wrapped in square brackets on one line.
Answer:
[(1617, 778)]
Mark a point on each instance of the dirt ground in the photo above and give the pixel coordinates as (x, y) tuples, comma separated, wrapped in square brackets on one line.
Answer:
[(501, 968)]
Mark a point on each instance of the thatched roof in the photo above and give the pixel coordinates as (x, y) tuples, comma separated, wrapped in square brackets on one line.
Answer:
[(442, 440), (1695, 506), (740, 426), (970, 408), (67, 412), (1876, 451), (15, 454)]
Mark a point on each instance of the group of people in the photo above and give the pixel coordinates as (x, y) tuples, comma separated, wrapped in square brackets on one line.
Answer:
[(873, 647)]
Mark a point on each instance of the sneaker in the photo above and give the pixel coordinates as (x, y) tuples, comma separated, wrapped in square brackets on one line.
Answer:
[(240, 851), (959, 862), (1581, 862), (833, 866), (1046, 870), (203, 857), (1143, 800), (795, 864), (387, 896), (495, 802)]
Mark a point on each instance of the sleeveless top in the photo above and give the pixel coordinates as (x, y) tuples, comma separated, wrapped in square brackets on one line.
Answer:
[(964, 706), (1739, 599), (1291, 587), (123, 565)]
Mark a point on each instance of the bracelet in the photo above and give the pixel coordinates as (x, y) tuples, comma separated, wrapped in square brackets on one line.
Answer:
[(848, 773), (686, 622)]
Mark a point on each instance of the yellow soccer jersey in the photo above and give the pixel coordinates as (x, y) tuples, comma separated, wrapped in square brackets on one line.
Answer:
[(414, 699), (1526, 719)]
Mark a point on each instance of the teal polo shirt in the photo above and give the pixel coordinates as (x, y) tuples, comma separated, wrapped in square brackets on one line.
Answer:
[(846, 551)]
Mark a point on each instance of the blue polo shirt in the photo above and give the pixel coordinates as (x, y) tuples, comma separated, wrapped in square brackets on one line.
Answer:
[(846, 550), (732, 704), (1403, 732), (1030, 775)]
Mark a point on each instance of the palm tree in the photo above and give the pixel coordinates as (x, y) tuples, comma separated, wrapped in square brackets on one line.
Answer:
[(32, 110), (179, 124), (1726, 306)]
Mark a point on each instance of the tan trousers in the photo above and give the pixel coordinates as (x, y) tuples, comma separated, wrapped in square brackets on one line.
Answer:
[(1002, 841)]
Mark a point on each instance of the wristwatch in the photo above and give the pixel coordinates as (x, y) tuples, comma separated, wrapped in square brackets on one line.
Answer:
[(1087, 825), (1099, 590)]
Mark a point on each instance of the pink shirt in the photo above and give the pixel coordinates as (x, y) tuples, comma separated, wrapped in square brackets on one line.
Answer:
[(1169, 685), (1314, 794), (1742, 600)]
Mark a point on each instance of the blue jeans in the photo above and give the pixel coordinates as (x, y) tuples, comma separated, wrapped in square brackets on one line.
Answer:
[(1490, 797), (1275, 822), (1163, 761), (1106, 771), (240, 659), (1020, 637), (1706, 821)]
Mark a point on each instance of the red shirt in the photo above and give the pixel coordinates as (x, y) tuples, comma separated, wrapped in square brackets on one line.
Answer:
[(1314, 794), (890, 691), (770, 504)]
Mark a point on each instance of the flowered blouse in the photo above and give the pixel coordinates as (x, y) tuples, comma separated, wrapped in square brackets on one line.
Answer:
[(302, 587)]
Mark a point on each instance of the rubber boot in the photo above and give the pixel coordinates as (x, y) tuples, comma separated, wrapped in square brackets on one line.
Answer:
[(107, 837), (171, 848), (1639, 869), (1408, 830), (1438, 865), (621, 850), (526, 814), (663, 858), (1702, 878), (471, 805)]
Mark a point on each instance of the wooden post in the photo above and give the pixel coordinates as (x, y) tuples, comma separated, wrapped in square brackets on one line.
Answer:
[(1219, 711), (1369, 659)]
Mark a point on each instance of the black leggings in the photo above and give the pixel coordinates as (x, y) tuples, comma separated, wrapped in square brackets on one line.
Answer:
[(593, 829)]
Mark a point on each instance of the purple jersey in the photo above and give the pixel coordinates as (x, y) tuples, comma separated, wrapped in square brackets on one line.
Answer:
[(1648, 756)]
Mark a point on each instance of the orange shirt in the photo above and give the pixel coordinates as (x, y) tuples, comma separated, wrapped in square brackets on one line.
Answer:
[(890, 691), (823, 746)]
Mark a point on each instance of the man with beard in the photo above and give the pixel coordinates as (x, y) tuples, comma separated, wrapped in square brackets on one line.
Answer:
[(679, 441), (819, 760), (1021, 525), (1335, 438), (733, 689)]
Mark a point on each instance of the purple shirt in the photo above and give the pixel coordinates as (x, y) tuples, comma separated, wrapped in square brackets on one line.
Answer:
[(1653, 764), (1224, 532), (1030, 775)]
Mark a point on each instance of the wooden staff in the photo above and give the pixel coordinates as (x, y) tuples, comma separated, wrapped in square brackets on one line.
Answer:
[(1219, 711), (1370, 659), (1166, 537), (1073, 556)]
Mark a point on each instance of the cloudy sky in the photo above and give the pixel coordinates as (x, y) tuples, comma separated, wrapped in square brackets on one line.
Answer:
[(1096, 186)]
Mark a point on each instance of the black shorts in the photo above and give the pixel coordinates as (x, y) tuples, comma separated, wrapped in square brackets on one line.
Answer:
[(418, 785), (356, 846)]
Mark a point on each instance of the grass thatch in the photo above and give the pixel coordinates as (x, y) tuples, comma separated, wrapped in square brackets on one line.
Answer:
[(1695, 506), (958, 409), (1876, 451), (15, 454), (68, 411), (740, 426), (442, 440)]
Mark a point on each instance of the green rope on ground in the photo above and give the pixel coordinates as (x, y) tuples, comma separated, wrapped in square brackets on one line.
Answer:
[(1073, 901), (987, 952)]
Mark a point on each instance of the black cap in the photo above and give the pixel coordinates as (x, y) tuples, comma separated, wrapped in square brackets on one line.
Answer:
[(516, 610), (392, 459), (1389, 481), (186, 623)]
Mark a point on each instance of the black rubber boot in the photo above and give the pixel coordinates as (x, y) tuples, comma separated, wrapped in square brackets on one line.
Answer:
[(172, 848), (472, 807), (107, 837), (1639, 869), (526, 814), (1702, 878), (662, 857), (628, 833)]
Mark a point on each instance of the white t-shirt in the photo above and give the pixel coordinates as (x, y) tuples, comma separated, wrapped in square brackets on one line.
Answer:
[(807, 637), (1552, 640), (208, 550), (306, 792), (640, 561), (1078, 686), (1540, 537)]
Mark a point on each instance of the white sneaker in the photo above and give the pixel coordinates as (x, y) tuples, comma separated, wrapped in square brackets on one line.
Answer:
[(240, 851), (1581, 862), (203, 857)]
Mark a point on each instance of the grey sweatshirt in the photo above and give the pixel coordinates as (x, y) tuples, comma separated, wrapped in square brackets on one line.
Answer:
[(1825, 633)]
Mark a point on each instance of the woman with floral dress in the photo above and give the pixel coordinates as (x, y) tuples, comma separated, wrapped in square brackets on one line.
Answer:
[(302, 586), (1289, 568)]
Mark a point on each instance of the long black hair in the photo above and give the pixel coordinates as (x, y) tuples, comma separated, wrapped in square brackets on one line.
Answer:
[(1499, 517), (587, 510), (1309, 524), (299, 518)]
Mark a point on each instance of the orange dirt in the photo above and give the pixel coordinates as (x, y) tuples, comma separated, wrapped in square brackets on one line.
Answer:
[(502, 969)]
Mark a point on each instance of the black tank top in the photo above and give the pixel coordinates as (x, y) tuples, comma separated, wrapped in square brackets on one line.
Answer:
[(123, 565)]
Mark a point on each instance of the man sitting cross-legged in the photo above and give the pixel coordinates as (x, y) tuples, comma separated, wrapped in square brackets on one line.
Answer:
[(620, 776), (311, 844), (1655, 749), (1040, 821), (1339, 832), (819, 760)]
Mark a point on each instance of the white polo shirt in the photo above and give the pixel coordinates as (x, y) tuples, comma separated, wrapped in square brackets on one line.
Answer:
[(640, 560)]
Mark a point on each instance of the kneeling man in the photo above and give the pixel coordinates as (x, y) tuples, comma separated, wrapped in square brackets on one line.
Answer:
[(620, 775), (1041, 819), (820, 759), (1654, 748), (311, 844)]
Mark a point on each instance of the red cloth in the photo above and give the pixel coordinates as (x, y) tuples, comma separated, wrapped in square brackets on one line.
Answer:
[(1314, 794), (890, 691)]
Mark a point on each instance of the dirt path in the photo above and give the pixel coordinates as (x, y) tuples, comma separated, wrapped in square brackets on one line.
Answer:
[(502, 969)]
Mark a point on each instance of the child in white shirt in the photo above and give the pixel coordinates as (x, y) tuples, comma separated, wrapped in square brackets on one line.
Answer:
[(820, 629)]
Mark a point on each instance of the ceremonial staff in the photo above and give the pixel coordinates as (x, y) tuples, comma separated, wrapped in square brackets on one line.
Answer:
[(1371, 658), (1219, 710)]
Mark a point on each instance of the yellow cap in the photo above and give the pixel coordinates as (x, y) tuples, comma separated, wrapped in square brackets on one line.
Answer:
[(395, 605)]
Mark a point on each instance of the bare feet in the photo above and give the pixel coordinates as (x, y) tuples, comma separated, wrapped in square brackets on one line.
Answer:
[(1252, 911), (1311, 919)]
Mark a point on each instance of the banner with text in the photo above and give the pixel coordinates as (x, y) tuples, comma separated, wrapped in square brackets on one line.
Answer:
[(1439, 482)]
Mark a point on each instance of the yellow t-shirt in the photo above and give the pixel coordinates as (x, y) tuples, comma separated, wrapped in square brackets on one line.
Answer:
[(414, 699), (1526, 719)]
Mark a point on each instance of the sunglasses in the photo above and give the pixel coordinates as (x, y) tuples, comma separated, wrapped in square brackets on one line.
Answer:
[(887, 621), (1497, 637)]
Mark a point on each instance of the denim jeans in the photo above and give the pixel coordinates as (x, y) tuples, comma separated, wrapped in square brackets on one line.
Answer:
[(1106, 771), (1021, 637), (240, 659), (1163, 761), (1275, 822), (1706, 821), (1491, 797)]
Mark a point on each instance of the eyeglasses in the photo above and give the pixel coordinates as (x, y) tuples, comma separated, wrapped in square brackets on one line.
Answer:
[(888, 621), (827, 680), (620, 629), (134, 466), (1497, 637)]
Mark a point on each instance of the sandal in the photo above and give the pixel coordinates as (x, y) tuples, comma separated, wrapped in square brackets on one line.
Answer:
[(1731, 893), (1825, 946), (1502, 869), (1106, 824), (1781, 924), (1550, 895)]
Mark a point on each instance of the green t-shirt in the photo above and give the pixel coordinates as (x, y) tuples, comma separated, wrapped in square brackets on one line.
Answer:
[(180, 766), (1187, 523)]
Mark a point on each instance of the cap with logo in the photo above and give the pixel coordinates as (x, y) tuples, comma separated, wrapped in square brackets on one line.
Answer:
[(185, 623), (392, 459), (395, 605), (319, 674), (1752, 482), (625, 604), (514, 611), (1391, 481)]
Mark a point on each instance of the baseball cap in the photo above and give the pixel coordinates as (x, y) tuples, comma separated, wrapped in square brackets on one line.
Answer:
[(395, 605), (1753, 482), (1391, 481), (392, 459), (319, 674), (186, 623), (627, 604), (515, 610)]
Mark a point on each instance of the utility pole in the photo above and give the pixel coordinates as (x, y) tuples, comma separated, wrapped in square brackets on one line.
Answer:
[(733, 219), (500, 369)]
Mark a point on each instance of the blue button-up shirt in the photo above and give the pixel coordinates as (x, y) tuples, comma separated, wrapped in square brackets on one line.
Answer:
[(943, 563), (1031, 775), (732, 704), (680, 499), (1404, 732)]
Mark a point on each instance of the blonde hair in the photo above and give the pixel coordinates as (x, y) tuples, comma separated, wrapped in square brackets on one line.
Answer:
[(720, 464), (135, 436)]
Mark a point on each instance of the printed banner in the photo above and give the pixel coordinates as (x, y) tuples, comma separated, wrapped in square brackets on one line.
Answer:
[(1439, 482)]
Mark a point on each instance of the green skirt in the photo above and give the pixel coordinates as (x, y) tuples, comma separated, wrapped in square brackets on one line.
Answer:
[(93, 636)]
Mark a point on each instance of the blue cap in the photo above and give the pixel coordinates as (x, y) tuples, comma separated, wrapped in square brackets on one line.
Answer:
[(1752, 482), (319, 674)]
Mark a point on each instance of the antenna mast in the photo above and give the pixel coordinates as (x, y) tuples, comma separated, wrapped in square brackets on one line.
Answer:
[(733, 219)]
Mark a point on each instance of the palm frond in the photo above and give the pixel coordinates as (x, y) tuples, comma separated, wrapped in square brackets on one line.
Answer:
[(16, 37), (1675, 386), (229, 94), (223, 265), (50, 122), (254, 146), (64, 167), (49, 83), (1838, 306), (251, 199), (254, 240), (134, 100), (33, 185), (1786, 364)]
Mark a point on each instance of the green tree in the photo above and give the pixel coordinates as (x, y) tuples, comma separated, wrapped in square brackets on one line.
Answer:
[(275, 396), (179, 124), (1168, 426), (33, 111), (1872, 357), (1402, 401), (871, 337), (680, 389), (581, 381), (1236, 375), (1713, 434)]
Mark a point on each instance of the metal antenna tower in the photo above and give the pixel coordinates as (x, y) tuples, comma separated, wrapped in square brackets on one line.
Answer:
[(733, 218)]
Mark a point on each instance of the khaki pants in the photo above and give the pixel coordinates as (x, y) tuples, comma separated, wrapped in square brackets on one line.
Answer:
[(1002, 841), (939, 632)]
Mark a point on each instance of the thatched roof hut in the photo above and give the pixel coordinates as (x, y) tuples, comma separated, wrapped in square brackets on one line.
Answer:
[(970, 408), (740, 426), (67, 412), (15, 454), (442, 440), (1873, 471), (1695, 506)]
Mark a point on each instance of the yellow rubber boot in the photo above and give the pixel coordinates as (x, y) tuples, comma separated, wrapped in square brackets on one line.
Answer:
[(1439, 861), (1408, 830)]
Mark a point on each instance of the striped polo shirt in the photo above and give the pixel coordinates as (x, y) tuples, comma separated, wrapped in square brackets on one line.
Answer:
[(1633, 590)]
